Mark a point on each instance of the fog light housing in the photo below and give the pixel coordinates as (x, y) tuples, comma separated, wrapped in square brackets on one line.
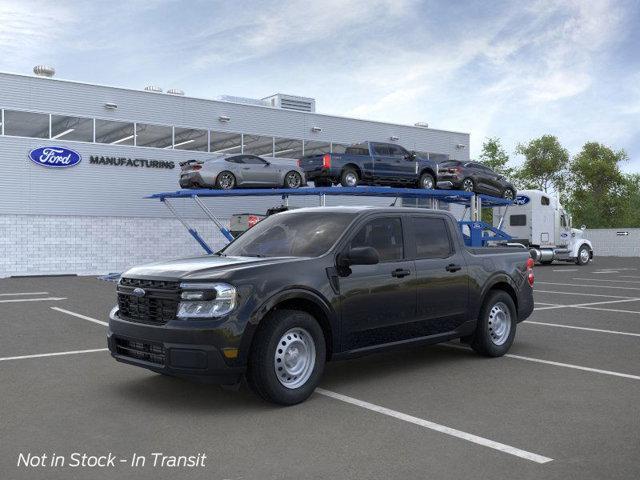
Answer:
[(206, 300)]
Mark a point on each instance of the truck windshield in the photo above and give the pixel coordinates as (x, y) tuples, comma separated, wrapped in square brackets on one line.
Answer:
[(304, 234)]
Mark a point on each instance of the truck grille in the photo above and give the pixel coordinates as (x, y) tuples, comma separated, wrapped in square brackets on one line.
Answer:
[(139, 350), (157, 306)]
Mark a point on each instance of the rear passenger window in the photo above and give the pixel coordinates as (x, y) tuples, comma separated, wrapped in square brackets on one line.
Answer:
[(432, 237), (517, 220), (383, 234)]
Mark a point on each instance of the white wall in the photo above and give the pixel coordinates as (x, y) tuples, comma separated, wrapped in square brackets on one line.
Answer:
[(608, 243)]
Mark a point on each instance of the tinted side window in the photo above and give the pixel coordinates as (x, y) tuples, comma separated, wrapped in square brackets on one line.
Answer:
[(544, 200), (235, 159), (250, 159), (396, 151), (431, 237), (381, 149), (383, 234), (517, 220)]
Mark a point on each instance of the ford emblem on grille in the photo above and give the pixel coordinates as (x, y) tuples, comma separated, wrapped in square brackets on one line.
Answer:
[(138, 292)]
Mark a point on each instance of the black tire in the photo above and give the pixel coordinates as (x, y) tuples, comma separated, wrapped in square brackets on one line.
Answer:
[(221, 180), (261, 371), (468, 185), (290, 183), (582, 258), (509, 194), (483, 340), (427, 182), (322, 182), (346, 177)]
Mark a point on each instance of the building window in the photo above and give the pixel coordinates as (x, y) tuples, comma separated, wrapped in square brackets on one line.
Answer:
[(157, 136), (224, 142), (26, 124), (338, 147), (316, 148), (190, 139), (72, 128), (287, 148), (258, 145), (114, 133)]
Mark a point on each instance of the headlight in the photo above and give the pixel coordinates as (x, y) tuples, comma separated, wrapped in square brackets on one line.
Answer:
[(206, 300)]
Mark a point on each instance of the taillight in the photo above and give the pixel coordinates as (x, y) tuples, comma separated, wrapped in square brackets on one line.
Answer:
[(196, 167), (530, 276), (299, 162), (252, 220), (326, 161)]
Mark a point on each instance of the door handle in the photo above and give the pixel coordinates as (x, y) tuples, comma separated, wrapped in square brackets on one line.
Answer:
[(400, 272), (453, 267), (246, 168)]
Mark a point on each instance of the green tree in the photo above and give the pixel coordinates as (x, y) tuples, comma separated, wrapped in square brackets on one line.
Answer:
[(495, 157), (631, 210), (599, 191), (545, 164)]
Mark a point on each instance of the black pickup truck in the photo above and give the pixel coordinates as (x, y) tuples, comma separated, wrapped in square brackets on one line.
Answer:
[(371, 163), (311, 285)]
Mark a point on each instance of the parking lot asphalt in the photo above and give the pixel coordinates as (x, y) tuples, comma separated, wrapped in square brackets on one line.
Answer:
[(563, 404)]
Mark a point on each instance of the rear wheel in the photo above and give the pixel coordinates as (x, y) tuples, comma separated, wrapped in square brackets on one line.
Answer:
[(427, 181), (584, 255), (508, 194), (287, 358), (225, 181), (292, 179), (468, 185), (349, 178), (496, 327)]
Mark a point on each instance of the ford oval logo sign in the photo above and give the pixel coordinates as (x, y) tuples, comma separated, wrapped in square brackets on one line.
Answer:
[(521, 200), (56, 157), (138, 292)]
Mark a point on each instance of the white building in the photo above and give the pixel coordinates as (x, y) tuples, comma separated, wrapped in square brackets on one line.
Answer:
[(91, 218)]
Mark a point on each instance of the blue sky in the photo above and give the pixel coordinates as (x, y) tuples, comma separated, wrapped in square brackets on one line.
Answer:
[(515, 70)]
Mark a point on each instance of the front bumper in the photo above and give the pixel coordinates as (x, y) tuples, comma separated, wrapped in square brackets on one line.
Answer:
[(194, 353)]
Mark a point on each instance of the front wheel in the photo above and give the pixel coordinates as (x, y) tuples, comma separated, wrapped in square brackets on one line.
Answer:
[(496, 326), (468, 185), (508, 194), (427, 181), (292, 180), (584, 255), (287, 358)]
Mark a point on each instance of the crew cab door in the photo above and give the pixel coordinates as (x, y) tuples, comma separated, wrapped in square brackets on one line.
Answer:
[(377, 301), (382, 161), (442, 276)]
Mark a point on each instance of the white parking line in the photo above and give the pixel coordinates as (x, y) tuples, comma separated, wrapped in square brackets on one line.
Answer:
[(556, 364), (605, 280), (56, 354), (16, 300), (84, 317), (583, 294), (599, 330), (628, 276), (607, 309), (23, 293), (565, 270), (485, 442), (588, 305), (592, 286)]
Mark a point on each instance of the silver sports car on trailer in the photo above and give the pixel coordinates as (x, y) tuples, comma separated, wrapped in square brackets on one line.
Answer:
[(241, 170)]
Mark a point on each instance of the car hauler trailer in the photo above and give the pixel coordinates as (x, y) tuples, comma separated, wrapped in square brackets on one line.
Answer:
[(538, 221), (476, 233)]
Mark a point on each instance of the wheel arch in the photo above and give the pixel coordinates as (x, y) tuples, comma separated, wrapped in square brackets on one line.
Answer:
[(297, 299), (354, 167), (499, 282), (579, 245)]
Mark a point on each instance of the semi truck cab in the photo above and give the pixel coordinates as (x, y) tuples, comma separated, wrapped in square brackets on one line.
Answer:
[(538, 221)]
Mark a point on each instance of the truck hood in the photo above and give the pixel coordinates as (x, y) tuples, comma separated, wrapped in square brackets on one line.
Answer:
[(196, 268)]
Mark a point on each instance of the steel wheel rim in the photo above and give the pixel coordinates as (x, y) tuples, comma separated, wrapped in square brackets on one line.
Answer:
[(351, 179), (508, 194), (295, 358), (226, 181), (293, 180), (427, 183), (467, 185), (584, 255), (499, 323)]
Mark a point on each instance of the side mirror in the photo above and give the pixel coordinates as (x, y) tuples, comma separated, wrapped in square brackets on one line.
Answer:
[(583, 227), (361, 256), (410, 156), (267, 163)]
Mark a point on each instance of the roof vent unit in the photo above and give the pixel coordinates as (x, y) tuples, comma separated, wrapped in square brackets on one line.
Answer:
[(292, 102), (44, 71), (244, 100), (153, 88), (175, 91), (422, 124)]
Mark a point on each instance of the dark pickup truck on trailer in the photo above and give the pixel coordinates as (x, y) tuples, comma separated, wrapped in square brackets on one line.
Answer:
[(310, 285), (371, 163)]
